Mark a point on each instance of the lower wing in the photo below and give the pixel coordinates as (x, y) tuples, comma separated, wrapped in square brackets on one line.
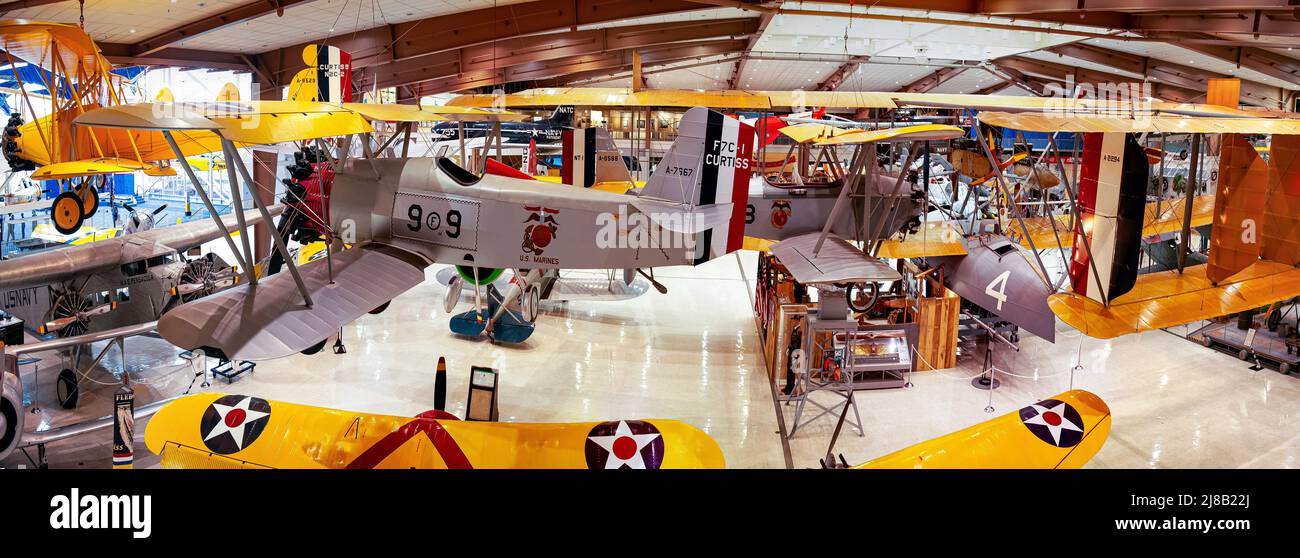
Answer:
[(1168, 298), (270, 320)]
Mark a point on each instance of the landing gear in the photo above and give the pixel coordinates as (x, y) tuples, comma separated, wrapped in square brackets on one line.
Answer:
[(67, 213), (859, 298), (339, 347), (66, 389)]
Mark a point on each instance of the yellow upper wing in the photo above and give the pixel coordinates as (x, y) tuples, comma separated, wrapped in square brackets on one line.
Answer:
[(936, 238), (1062, 432), (213, 430)]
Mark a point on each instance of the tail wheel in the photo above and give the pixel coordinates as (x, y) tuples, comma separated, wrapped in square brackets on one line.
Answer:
[(67, 213), (859, 298), (69, 304)]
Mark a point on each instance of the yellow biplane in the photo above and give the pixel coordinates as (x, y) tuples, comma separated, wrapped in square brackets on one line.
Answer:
[(1255, 239), (214, 430)]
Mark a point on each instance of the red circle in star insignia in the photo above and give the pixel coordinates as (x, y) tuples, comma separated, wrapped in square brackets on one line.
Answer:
[(232, 422), (624, 448), (629, 444), (1055, 422)]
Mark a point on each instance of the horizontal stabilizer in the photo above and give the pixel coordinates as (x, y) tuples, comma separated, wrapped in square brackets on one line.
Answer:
[(270, 320), (683, 219), (837, 262)]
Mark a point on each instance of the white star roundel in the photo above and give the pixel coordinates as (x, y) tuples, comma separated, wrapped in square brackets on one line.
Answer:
[(1055, 422), (232, 422), (624, 444)]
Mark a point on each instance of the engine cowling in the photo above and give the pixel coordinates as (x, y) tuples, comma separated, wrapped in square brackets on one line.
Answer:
[(11, 415)]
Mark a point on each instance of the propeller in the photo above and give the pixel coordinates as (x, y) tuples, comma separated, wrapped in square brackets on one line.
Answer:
[(62, 324)]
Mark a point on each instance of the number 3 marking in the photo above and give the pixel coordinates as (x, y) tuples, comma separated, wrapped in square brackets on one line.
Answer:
[(998, 288)]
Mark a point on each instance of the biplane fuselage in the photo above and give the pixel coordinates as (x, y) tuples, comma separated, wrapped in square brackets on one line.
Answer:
[(434, 208)]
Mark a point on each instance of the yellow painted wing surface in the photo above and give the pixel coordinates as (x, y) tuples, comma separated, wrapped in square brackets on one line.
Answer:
[(919, 132), (1036, 122), (936, 238), (1167, 299), (420, 113), (1166, 218), (1062, 432), (213, 430), (38, 43), (90, 167)]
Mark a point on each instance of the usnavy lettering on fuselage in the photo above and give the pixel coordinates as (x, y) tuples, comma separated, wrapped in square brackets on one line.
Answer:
[(19, 298)]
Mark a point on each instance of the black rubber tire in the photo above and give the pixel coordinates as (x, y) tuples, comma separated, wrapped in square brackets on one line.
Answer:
[(66, 213), (90, 203), (875, 296), (381, 307), (66, 389)]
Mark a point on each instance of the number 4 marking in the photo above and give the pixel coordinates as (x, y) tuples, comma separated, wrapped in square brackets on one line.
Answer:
[(998, 288)]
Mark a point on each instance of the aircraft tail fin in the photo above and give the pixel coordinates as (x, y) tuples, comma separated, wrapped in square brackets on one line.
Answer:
[(707, 171), (588, 156), (229, 92), (1112, 204), (327, 77), (563, 116)]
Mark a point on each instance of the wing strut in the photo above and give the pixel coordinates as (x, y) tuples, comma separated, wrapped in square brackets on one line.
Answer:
[(875, 232), (266, 218), (1006, 194), (207, 202), (1077, 227), (861, 157)]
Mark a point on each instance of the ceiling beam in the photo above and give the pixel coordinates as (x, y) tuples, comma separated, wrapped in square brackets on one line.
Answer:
[(1021, 6), (1265, 62), (932, 80), (739, 69), (398, 42), (1255, 22), (837, 77), (120, 54), (616, 61), (211, 23), (483, 59), (1163, 71), (1102, 82)]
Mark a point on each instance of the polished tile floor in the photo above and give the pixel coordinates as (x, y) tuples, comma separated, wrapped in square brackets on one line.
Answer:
[(692, 354)]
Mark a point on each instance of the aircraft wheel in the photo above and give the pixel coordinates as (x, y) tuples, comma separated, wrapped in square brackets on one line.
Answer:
[(1206, 341), (89, 202), (1243, 354), (65, 387), (859, 301), (381, 307), (315, 348), (528, 302), (67, 213)]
